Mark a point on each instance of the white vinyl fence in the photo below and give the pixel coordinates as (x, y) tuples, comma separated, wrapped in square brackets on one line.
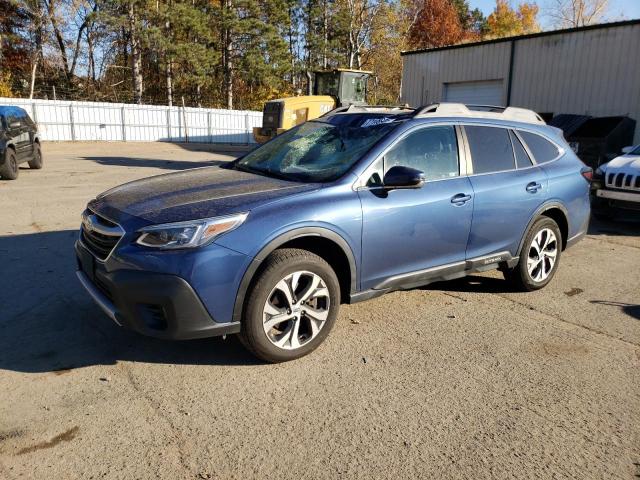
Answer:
[(80, 121)]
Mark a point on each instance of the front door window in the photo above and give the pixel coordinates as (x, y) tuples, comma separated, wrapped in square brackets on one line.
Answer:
[(432, 150)]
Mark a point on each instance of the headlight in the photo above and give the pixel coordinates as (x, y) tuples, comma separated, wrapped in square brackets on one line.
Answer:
[(188, 234)]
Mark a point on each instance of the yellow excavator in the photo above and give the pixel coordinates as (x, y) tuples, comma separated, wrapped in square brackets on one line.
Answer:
[(330, 89)]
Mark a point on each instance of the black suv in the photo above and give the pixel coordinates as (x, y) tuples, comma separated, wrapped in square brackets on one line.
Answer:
[(19, 142)]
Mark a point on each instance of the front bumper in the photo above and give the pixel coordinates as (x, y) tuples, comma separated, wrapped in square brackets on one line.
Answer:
[(154, 304), (604, 198), (618, 195)]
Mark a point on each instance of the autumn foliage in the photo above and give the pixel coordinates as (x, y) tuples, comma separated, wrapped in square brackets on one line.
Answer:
[(506, 21), (226, 53), (435, 23)]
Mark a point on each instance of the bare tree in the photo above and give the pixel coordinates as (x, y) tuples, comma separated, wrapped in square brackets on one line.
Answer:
[(227, 54), (136, 54), (63, 28), (361, 14), (35, 13), (578, 13)]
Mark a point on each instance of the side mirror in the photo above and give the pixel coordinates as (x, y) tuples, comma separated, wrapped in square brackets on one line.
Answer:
[(627, 150), (403, 177), (15, 125)]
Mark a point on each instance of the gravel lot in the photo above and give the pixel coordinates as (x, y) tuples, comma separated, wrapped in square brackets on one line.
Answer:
[(457, 380)]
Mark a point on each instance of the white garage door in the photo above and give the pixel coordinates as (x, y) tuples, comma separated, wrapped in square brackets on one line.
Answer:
[(477, 93)]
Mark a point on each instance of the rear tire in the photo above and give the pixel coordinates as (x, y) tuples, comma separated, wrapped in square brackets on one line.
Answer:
[(36, 163), (291, 307), (539, 257), (9, 169)]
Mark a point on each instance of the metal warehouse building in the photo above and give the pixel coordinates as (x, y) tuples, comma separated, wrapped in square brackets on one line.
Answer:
[(592, 70)]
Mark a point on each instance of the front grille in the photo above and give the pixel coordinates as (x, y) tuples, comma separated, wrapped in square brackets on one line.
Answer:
[(623, 181), (99, 234)]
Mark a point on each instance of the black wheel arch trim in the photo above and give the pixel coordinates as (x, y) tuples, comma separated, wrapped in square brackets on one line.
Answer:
[(281, 240), (8, 146), (537, 214)]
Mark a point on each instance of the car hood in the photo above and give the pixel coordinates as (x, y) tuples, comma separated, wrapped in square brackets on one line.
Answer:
[(192, 194), (624, 164)]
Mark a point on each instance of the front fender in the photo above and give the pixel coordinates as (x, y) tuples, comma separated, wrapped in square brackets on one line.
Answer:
[(280, 239)]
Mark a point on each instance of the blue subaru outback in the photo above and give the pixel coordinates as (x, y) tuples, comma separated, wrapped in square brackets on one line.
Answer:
[(358, 203)]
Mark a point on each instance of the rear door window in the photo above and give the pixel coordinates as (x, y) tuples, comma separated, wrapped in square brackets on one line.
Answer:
[(522, 158), (542, 149), (491, 149), (13, 118)]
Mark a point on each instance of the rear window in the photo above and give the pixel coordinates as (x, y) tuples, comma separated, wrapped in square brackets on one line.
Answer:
[(491, 149), (542, 149)]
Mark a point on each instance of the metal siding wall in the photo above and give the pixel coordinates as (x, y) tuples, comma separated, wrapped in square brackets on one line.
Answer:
[(594, 72), (434, 69), (67, 121)]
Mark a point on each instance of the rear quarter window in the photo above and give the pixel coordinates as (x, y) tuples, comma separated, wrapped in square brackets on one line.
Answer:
[(522, 158), (28, 120), (542, 149)]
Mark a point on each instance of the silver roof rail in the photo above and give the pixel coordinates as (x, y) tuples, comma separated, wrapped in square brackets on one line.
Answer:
[(484, 111)]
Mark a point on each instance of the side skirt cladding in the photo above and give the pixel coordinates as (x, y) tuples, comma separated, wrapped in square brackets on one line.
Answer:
[(499, 260)]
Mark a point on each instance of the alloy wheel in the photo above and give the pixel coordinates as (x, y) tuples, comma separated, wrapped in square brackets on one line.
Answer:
[(296, 310), (542, 255)]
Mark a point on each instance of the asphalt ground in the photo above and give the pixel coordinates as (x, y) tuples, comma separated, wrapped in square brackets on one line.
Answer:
[(465, 379)]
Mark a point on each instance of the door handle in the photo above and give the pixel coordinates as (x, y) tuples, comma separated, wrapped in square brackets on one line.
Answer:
[(460, 199), (533, 187)]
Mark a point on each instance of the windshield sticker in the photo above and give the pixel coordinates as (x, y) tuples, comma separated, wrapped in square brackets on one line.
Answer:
[(370, 122)]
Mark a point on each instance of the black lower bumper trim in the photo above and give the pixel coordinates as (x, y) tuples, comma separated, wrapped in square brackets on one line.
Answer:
[(154, 304)]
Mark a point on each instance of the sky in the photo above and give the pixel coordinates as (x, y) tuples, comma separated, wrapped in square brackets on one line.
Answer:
[(618, 9)]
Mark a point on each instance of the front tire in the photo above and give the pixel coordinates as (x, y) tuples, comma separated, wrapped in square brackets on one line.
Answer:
[(9, 169), (539, 257), (291, 307), (36, 163)]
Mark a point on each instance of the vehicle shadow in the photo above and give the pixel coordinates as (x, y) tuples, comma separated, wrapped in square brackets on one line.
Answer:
[(229, 151), (619, 224), (49, 324), (232, 149), (478, 284), (630, 309), (472, 283)]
